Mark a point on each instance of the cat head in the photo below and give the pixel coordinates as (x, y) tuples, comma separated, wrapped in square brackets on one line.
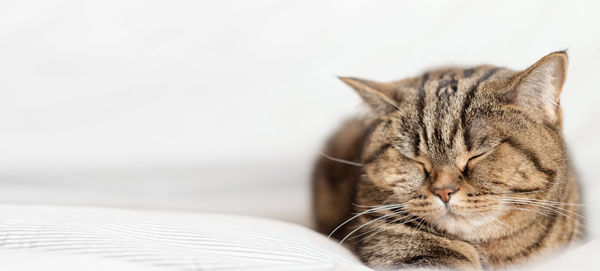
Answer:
[(455, 147)]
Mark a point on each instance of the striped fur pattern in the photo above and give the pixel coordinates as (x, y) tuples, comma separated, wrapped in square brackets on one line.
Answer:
[(459, 167)]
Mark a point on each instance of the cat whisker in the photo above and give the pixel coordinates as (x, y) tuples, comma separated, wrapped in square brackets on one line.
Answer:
[(364, 225), (375, 206), (375, 209), (539, 212), (556, 209), (413, 218), (418, 227), (545, 205), (545, 211), (548, 201), (352, 163), (403, 216)]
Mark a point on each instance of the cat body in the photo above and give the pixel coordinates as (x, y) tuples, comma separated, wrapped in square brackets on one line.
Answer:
[(458, 167)]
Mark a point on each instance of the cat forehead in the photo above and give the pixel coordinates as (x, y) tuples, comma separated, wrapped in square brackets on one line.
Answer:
[(440, 110), (449, 90), (454, 78)]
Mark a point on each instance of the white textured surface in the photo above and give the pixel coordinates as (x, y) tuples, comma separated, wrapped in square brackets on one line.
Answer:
[(126, 240)]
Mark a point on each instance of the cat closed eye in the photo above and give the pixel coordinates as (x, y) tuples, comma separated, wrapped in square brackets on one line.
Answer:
[(426, 167), (471, 160), (422, 166)]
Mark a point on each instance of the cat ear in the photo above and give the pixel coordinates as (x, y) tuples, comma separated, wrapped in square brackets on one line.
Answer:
[(538, 91), (375, 94)]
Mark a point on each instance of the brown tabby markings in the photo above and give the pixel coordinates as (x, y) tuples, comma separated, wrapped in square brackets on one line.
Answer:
[(489, 138)]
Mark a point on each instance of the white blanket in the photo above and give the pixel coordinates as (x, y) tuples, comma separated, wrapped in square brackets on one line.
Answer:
[(71, 238)]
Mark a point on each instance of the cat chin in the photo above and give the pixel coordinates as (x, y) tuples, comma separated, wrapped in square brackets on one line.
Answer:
[(455, 225), (459, 225)]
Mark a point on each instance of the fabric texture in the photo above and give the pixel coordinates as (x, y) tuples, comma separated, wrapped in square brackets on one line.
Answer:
[(163, 240)]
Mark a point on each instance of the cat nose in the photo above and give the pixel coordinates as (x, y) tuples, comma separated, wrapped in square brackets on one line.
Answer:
[(444, 192)]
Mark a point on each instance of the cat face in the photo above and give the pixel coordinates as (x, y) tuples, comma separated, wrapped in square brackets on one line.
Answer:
[(456, 148)]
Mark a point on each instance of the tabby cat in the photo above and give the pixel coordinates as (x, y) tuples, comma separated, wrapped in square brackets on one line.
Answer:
[(459, 167)]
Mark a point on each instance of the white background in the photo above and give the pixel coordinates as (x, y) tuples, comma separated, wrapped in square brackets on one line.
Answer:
[(222, 105)]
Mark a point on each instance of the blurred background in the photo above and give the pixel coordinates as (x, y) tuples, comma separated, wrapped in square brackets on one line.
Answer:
[(222, 106)]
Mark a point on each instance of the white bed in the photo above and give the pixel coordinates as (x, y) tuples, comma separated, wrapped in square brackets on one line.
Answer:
[(69, 238), (221, 106)]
